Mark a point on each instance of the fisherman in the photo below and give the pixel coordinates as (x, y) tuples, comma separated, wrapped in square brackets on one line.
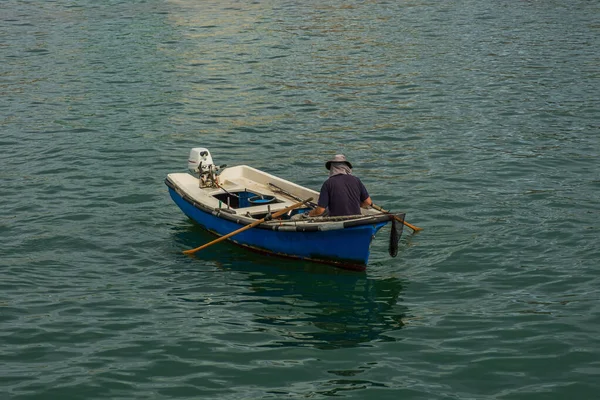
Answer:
[(342, 193)]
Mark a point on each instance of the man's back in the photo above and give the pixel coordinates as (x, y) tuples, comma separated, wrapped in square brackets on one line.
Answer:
[(343, 194)]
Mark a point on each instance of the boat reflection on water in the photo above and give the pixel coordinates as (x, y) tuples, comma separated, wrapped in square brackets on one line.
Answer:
[(327, 311), (298, 303)]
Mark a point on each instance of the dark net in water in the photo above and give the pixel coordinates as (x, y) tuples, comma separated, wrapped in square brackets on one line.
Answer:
[(396, 233)]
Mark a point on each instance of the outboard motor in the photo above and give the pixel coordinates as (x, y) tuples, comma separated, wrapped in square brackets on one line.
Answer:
[(200, 163)]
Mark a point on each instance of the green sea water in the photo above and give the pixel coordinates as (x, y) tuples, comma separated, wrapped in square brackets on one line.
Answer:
[(480, 119)]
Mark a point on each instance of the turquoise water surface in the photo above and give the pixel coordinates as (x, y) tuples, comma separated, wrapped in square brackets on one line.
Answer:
[(479, 119)]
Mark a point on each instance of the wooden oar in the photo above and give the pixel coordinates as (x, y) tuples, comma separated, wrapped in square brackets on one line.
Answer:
[(245, 228), (293, 196), (414, 228)]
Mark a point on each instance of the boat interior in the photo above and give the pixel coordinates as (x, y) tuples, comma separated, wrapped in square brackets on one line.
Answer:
[(254, 204), (248, 192)]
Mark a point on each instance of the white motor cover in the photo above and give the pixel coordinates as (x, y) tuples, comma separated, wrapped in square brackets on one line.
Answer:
[(199, 155)]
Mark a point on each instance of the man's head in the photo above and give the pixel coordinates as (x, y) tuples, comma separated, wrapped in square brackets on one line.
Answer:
[(339, 158)]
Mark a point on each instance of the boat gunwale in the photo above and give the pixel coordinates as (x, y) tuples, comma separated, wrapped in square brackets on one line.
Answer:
[(311, 225)]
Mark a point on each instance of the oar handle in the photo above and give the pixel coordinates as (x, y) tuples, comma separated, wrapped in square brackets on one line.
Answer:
[(252, 225), (293, 196), (414, 228)]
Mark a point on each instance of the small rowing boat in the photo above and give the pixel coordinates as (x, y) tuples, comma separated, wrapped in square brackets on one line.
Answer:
[(225, 199)]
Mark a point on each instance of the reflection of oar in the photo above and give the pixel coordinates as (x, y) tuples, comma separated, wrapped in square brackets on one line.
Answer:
[(245, 228), (414, 228), (285, 192)]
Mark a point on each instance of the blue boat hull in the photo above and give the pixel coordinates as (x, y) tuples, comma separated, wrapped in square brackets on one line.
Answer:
[(347, 248)]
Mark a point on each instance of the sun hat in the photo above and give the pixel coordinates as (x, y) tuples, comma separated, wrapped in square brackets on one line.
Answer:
[(338, 158)]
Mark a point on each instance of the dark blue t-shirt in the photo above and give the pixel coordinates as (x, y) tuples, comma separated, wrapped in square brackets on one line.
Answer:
[(342, 194)]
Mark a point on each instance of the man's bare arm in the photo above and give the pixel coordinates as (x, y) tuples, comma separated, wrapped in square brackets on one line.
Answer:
[(367, 203), (315, 212)]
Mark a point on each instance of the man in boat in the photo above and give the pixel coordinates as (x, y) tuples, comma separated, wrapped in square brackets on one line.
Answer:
[(342, 193)]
